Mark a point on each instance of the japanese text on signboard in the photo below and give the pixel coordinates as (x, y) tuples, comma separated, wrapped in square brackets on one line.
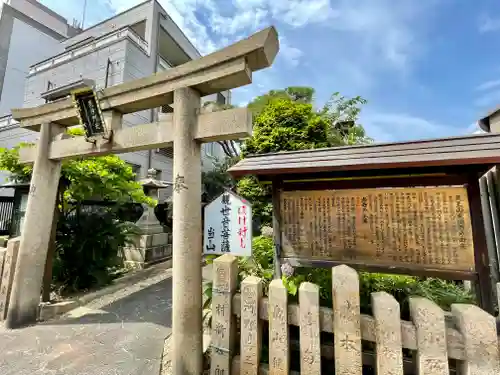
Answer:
[(227, 227)]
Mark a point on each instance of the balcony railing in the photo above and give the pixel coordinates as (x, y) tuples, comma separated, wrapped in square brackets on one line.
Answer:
[(93, 44), (7, 121)]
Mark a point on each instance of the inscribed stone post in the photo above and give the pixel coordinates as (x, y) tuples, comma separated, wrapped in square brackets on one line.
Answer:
[(9, 268), (186, 244), (480, 338), (225, 278), (279, 355), (387, 333), (498, 297), (3, 252), (33, 248), (310, 349), (346, 321), (432, 354), (251, 329)]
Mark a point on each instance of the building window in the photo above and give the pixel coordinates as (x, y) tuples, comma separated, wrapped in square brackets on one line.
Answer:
[(210, 149), (167, 152), (163, 64)]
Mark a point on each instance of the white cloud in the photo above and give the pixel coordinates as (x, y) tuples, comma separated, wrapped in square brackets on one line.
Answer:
[(291, 55), (474, 129), (253, 19), (488, 85), (488, 99), (488, 24), (298, 13), (386, 30), (349, 45), (389, 127)]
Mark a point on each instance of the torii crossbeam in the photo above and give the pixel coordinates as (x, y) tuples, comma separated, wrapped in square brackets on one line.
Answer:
[(186, 129)]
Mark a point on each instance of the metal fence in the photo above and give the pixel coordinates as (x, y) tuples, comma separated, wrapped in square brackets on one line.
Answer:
[(490, 201), (6, 210)]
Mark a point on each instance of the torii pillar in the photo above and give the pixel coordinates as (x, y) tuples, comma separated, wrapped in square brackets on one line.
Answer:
[(186, 129), (186, 241)]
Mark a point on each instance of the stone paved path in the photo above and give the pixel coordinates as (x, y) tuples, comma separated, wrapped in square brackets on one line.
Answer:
[(119, 334)]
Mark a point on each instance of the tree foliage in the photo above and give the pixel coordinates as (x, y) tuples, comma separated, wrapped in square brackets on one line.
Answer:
[(106, 177), (287, 120), (215, 181), (297, 94), (87, 244)]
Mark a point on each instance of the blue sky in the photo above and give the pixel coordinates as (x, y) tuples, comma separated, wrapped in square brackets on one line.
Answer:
[(428, 68)]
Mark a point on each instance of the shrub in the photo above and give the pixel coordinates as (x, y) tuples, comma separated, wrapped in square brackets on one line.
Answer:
[(87, 249), (260, 264), (444, 293)]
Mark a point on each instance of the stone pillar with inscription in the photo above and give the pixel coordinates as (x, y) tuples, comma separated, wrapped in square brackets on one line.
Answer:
[(310, 348), (225, 279), (153, 244), (7, 275), (428, 318), (279, 354), (187, 330), (346, 320), (386, 312), (251, 330), (25, 296), (480, 340)]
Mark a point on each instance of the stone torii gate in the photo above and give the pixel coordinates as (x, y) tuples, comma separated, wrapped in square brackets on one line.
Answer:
[(186, 128)]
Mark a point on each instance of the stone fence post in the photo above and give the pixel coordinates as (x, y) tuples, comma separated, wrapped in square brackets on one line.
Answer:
[(225, 279), (7, 273)]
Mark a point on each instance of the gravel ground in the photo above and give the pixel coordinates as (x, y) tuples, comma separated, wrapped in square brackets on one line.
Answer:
[(166, 363), (121, 333)]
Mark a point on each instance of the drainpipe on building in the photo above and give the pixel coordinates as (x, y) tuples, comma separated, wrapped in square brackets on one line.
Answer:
[(155, 69)]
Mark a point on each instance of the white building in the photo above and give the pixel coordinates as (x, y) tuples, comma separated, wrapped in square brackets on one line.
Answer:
[(44, 53), (29, 32)]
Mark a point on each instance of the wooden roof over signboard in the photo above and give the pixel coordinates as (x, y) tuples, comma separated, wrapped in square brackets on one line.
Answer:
[(474, 150)]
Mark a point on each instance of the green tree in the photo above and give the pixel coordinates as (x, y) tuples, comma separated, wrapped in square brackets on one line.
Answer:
[(286, 120), (107, 177), (84, 248), (215, 181)]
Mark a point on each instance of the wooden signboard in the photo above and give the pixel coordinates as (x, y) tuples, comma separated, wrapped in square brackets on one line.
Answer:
[(89, 113), (408, 227)]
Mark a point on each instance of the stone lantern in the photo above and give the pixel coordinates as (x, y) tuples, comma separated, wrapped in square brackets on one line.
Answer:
[(153, 245)]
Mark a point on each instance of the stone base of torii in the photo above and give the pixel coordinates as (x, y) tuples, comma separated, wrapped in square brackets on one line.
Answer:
[(187, 128)]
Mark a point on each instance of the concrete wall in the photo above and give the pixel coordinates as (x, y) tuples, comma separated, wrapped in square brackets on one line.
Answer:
[(171, 27), (134, 15), (41, 14), (129, 62), (6, 24), (91, 66), (29, 32), (27, 45)]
